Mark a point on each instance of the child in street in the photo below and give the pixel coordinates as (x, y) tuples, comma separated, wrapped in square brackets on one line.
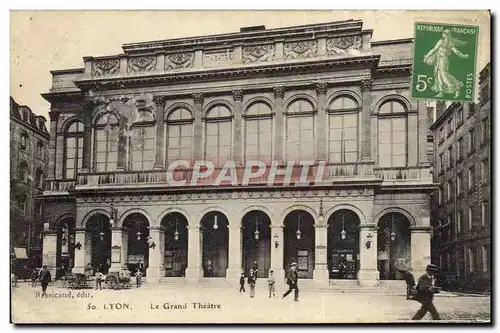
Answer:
[(98, 280), (242, 282), (272, 282), (251, 282), (138, 276)]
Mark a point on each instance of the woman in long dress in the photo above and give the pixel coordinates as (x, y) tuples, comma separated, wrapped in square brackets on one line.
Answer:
[(444, 82)]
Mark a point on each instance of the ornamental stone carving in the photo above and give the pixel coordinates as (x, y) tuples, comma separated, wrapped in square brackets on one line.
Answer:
[(366, 85), (141, 64), (179, 60), (238, 95), (279, 91), (343, 45), (159, 100), (105, 67), (218, 58), (198, 98), (321, 88), (300, 50), (258, 53)]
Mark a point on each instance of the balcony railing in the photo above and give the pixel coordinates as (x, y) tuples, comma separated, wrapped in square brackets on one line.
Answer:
[(331, 173)]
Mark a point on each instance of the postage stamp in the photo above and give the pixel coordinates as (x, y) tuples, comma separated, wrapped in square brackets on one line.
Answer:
[(444, 61)]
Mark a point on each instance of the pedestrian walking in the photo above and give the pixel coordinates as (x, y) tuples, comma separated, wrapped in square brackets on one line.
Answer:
[(45, 279), (425, 293), (410, 283), (98, 280), (242, 282), (255, 267), (251, 282), (271, 280), (138, 277), (292, 281), (34, 277)]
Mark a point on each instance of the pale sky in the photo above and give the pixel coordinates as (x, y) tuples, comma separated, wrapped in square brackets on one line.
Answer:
[(42, 41)]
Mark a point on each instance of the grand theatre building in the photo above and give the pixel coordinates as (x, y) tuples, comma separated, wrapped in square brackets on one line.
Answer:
[(117, 196)]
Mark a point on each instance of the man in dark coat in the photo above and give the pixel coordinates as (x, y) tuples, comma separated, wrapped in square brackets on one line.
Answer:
[(45, 279), (425, 293), (292, 279)]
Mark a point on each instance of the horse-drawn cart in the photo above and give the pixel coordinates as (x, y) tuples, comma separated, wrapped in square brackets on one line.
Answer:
[(75, 281), (118, 280)]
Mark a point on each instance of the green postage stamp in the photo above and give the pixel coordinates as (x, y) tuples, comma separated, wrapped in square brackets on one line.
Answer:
[(444, 62)]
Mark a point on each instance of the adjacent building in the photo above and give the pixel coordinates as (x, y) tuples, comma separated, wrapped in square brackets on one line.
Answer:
[(324, 93), (461, 206), (29, 141)]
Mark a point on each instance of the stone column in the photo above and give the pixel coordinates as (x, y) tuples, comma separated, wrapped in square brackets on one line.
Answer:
[(420, 249), (156, 267), (160, 132), (321, 146), (234, 264), (366, 86), (194, 271), (423, 128), (50, 251), (198, 126), (277, 253), (54, 117), (320, 273), (238, 127), (87, 134), (80, 237), (368, 272), (118, 236), (279, 93)]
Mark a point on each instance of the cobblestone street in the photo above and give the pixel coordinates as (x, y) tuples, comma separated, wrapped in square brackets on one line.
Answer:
[(158, 305)]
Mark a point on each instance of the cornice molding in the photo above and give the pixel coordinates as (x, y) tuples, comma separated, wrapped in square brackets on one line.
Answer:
[(66, 96), (370, 61)]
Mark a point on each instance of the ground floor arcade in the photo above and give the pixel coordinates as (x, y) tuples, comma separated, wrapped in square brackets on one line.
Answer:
[(328, 238)]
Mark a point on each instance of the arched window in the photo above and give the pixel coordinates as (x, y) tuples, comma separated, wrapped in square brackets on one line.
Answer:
[(300, 131), (259, 132), (343, 130), (142, 142), (392, 131), (106, 143), (73, 149), (179, 135), (218, 135)]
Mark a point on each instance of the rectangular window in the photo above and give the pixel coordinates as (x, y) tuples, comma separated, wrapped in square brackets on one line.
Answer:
[(484, 130), (142, 148), (485, 258), (441, 134), (470, 218), (459, 182), (450, 126), (441, 163), (343, 138), (440, 196), (24, 141), (459, 221), (485, 170), (471, 178), (472, 141), (471, 260), (392, 142), (451, 160), (179, 144), (449, 189), (460, 116), (258, 139), (484, 213), (460, 148), (74, 153)]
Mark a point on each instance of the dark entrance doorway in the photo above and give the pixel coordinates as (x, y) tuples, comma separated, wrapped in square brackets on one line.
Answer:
[(256, 227), (100, 232), (214, 227), (65, 246), (343, 245), (137, 227), (176, 244), (393, 241), (299, 242)]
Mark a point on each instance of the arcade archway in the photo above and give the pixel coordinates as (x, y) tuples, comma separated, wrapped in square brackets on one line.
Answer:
[(215, 240), (299, 235), (394, 246), (137, 227), (256, 234), (99, 229), (175, 226), (343, 244)]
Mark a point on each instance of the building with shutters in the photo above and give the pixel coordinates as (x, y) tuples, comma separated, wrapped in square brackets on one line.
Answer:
[(461, 205), (29, 141), (325, 93)]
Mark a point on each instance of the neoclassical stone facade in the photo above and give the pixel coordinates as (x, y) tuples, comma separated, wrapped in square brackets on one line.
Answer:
[(324, 93)]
